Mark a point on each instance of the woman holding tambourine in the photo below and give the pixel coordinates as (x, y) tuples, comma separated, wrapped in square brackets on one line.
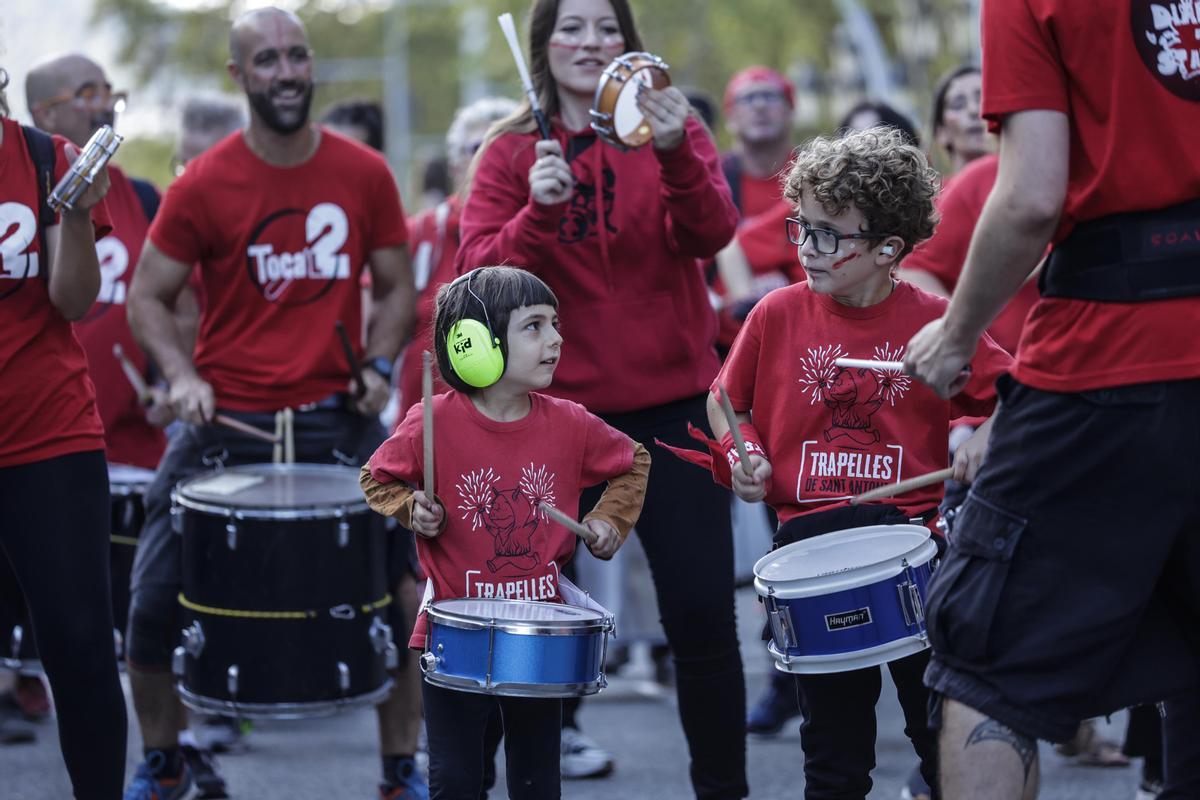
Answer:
[(616, 232), (54, 504)]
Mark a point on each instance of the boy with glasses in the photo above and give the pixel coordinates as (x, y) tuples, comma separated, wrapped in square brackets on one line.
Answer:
[(819, 433)]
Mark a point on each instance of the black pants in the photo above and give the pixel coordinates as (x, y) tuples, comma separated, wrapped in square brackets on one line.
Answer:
[(685, 531), (838, 731), (54, 528), (456, 724)]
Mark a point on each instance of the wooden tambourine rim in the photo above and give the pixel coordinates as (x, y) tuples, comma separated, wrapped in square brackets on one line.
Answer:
[(608, 90)]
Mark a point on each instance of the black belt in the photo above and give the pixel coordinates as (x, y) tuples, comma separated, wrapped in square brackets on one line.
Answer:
[(1128, 258)]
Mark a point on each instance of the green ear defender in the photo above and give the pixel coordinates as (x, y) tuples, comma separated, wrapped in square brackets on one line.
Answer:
[(474, 353), (473, 349)]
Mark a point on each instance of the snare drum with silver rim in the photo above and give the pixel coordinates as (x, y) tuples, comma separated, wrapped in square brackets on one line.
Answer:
[(516, 648), (284, 592), (615, 113), (848, 599)]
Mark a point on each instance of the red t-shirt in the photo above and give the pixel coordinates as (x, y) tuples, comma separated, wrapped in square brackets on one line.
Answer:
[(832, 432), (433, 240), (943, 255), (280, 252), (490, 477), (128, 437), (765, 243), (47, 403), (759, 194), (1128, 76)]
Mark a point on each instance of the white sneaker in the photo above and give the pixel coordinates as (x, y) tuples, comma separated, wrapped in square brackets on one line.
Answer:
[(583, 758), (1148, 790)]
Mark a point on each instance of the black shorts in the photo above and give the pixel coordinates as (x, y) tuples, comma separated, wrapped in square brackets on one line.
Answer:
[(1071, 587)]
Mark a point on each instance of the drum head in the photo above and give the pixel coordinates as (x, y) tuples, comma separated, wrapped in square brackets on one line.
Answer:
[(552, 615), (629, 124), (274, 486), (128, 475), (842, 559)]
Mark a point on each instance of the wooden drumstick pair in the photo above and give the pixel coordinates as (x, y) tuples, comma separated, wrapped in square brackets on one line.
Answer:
[(285, 441), (145, 397)]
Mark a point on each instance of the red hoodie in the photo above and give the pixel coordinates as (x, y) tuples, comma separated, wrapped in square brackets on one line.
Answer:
[(637, 325)]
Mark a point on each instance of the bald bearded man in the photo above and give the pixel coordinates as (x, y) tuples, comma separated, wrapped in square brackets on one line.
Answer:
[(264, 343)]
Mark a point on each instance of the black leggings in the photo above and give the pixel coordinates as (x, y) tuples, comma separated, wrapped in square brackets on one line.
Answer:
[(54, 528), (685, 531), (457, 725)]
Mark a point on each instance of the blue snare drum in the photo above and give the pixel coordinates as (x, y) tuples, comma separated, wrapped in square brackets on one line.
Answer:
[(848, 599), (516, 648)]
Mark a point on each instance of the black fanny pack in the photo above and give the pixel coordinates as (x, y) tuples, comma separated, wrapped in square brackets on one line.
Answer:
[(1128, 258)]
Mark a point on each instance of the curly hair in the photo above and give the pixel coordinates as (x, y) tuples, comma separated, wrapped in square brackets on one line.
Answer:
[(875, 171), (3, 98)]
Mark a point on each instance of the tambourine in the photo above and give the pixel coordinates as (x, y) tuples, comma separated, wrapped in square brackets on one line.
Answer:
[(96, 153), (615, 113)]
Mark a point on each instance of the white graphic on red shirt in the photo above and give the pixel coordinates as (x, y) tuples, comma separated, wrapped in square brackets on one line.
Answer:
[(18, 227), (1175, 54), (510, 516), (326, 230), (538, 485), (818, 371), (852, 395)]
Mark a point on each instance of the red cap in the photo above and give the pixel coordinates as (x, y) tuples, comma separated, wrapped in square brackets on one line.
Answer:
[(758, 74)]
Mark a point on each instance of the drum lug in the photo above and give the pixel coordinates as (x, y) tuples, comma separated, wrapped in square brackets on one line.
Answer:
[(780, 620), (381, 636), (343, 528), (178, 659), (176, 516), (391, 659), (231, 533), (910, 598), (343, 677), (344, 611), (231, 680), (429, 662), (18, 634), (118, 643), (193, 639)]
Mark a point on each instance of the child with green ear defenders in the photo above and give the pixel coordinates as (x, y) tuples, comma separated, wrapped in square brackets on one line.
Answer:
[(502, 448)]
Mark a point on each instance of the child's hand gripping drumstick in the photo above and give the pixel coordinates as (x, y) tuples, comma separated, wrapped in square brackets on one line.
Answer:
[(427, 514), (750, 483), (736, 431), (603, 541), (906, 485)]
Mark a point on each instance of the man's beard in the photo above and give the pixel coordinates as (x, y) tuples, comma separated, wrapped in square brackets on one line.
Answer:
[(286, 122)]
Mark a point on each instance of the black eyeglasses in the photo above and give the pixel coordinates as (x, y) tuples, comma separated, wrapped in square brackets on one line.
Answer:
[(825, 240)]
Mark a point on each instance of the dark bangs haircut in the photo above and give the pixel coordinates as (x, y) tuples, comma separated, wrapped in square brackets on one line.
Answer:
[(497, 290)]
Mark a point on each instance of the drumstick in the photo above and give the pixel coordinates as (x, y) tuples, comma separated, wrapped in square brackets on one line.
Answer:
[(514, 44), (135, 377), (427, 418), (583, 532), (900, 487), (289, 436), (277, 453), (867, 363), (249, 430), (734, 429), (352, 360)]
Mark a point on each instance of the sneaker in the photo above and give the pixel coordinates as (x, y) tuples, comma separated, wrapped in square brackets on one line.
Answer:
[(411, 784), (149, 784), (1148, 790), (203, 766), (583, 758), (772, 711), (224, 735), (31, 697), (916, 788)]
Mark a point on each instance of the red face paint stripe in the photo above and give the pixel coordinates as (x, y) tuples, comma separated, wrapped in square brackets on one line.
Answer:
[(839, 264)]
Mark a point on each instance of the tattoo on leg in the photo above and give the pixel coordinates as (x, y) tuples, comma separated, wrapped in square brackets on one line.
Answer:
[(991, 730)]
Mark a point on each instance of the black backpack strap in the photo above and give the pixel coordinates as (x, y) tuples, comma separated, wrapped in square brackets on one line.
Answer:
[(41, 150), (147, 195)]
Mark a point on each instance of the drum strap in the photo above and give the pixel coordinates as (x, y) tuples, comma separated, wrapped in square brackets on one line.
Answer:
[(345, 611)]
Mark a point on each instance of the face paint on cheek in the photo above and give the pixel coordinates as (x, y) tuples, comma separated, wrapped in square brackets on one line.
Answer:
[(844, 261), (561, 46)]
